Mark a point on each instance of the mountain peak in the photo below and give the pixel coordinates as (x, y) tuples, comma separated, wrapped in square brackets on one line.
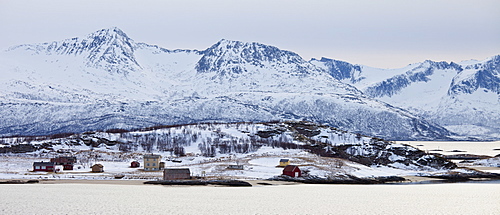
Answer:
[(230, 57), (108, 48), (109, 33)]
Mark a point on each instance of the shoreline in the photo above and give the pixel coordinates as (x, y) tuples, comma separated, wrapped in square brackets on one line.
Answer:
[(254, 183)]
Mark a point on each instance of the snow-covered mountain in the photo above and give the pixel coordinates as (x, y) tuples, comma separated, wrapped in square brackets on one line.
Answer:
[(463, 97), (106, 80)]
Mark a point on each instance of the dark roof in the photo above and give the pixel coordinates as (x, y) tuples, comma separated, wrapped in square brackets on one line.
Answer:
[(177, 171), (291, 168), (151, 156), (67, 157), (99, 165), (284, 160), (43, 163)]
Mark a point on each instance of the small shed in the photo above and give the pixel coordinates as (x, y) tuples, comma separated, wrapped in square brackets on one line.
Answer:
[(176, 174), (135, 164), (44, 166), (284, 162), (292, 171), (97, 168), (237, 167)]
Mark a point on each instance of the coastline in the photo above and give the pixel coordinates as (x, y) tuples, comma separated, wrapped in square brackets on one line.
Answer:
[(257, 182)]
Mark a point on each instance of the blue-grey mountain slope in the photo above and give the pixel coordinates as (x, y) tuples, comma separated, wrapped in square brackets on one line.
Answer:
[(463, 97), (106, 80)]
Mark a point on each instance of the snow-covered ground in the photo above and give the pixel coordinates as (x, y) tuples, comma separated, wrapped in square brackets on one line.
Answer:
[(261, 164), (209, 149)]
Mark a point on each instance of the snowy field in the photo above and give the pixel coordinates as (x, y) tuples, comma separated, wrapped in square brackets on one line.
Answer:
[(261, 164)]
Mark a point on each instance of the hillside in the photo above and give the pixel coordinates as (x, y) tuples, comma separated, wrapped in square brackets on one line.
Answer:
[(321, 150)]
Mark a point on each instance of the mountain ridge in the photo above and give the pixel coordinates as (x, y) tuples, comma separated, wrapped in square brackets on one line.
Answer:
[(458, 96), (145, 85)]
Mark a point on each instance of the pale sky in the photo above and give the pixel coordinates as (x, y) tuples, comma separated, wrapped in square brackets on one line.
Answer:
[(378, 33)]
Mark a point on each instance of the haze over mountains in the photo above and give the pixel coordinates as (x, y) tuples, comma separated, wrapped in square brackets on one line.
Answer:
[(106, 80)]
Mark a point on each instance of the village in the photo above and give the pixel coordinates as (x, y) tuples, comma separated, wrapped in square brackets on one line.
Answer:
[(290, 151), (151, 163)]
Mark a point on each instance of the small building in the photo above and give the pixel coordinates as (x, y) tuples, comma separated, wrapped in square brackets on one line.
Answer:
[(176, 174), (135, 164), (151, 162), (284, 162), (237, 167), (44, 166), (65, 161), (97, 168), (292, 171)]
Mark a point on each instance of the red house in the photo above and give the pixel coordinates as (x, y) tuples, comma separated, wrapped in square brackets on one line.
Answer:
[(292, 171), (135, 164), (44, 166)]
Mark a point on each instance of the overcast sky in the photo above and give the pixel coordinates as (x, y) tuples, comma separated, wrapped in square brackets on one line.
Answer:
[(385, 34)]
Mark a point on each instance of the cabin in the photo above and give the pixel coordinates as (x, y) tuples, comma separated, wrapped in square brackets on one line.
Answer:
[(176, 174), (236, 167), (135, 164), (284, 162), (97, 168), (43, 166), (292, 171), (66, 162), (151, 162)]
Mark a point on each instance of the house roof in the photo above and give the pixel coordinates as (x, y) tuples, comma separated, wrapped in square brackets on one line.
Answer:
[(98, 165), (152, 156), (291, 168), (177, 171), (43, 163), (67, 157), (284, 160)]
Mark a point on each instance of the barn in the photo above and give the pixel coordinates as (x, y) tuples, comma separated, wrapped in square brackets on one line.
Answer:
[(176, 174), (292, 171)]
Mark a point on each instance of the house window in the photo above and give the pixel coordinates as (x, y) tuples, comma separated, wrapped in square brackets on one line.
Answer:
[(154, 164), (37, 167), (147, 159), (43, 167)]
